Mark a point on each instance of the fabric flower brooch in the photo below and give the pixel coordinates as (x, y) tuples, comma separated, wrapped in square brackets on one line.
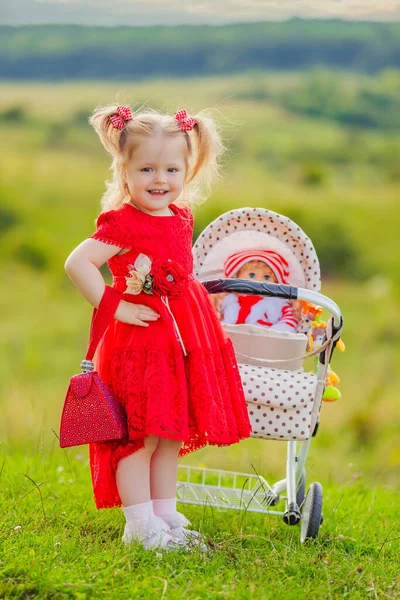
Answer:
[(163, 278)]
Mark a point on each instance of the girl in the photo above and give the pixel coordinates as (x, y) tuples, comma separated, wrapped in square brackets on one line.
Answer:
[(165, 355)]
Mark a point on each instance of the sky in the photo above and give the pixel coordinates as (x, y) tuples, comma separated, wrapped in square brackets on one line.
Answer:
[(189, 12)]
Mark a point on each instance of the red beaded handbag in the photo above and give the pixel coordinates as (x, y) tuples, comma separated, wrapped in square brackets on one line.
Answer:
[(91, 412)]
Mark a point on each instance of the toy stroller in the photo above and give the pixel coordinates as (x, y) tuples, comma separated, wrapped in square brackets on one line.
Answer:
[(283, 401)]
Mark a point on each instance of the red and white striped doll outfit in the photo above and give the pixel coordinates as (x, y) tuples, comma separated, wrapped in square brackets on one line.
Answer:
[(275, 313)]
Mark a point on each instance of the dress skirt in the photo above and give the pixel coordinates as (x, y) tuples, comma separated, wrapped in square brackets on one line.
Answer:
[(188, 390)]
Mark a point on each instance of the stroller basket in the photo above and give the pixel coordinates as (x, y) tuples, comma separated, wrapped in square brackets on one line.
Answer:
[(225, 489)]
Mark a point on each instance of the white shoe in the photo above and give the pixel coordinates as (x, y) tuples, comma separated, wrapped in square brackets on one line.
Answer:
[(154, 534), (177, 529)]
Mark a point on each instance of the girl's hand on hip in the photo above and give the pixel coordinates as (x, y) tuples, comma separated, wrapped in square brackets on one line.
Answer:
[(135, 314)]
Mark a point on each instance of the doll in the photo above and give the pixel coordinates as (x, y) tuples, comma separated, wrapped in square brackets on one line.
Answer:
[(258, 265)]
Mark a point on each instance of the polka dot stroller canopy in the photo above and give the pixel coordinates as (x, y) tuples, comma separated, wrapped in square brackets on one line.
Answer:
[(257, 229)]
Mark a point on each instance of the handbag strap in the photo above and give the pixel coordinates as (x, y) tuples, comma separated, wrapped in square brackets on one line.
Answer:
[(101, 318)]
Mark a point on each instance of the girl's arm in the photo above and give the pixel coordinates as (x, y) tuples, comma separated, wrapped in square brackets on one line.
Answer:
[(82, 266)]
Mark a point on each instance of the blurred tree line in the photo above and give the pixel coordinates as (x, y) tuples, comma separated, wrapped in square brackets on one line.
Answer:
[(57, 52), (372, 103)]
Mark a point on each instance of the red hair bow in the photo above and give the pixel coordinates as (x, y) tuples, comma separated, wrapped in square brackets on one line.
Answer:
[(124, 114), (186, 123)]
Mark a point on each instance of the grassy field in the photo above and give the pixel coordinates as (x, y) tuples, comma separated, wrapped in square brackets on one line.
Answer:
[(341, 184), (56, 545)]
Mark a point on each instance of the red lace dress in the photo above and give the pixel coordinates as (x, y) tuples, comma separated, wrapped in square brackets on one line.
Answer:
[(198, 397)]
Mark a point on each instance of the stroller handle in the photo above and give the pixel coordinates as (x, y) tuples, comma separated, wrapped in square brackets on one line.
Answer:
[(273, 290), (245, 286)]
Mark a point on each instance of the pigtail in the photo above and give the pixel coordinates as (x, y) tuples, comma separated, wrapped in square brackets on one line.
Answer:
[(208, 149), (113, 139), (109, 135)]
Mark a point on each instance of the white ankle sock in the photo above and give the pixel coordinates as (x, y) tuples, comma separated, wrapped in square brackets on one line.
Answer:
[(142, 525), (138, 517), (138, 511), (164, 507)]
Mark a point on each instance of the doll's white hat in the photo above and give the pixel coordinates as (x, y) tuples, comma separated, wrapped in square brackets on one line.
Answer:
[(275, 262)]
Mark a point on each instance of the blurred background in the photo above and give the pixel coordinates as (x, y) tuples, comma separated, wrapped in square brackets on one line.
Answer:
[(309, 103)]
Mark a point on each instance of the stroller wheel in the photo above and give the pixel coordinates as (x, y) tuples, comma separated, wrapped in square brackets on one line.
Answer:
[(311, 513), (301, 490)]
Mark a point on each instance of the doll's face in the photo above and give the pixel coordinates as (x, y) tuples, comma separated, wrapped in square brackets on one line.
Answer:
[(256, 270)]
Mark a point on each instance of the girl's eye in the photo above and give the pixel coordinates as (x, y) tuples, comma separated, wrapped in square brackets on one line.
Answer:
[(252, 275), (267, 277), (147, 168)]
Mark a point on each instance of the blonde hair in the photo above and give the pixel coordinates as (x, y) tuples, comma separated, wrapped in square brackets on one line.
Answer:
[(204, 143)]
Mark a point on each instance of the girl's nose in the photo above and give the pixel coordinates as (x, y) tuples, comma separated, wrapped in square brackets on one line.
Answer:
[(159, 179)]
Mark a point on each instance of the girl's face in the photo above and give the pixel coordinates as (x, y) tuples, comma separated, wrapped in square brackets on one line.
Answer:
[(258, 271), (157, 165)]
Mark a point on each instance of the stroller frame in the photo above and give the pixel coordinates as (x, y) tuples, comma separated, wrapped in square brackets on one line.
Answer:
[(251, 492), (223, 489)]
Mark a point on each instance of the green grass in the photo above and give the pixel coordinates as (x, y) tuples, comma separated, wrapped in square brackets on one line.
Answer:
[(56, 545)]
